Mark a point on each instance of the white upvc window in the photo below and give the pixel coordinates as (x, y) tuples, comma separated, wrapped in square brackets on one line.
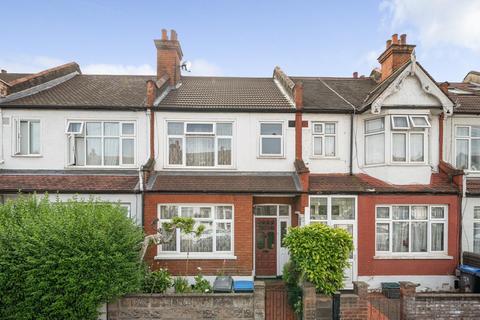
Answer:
[(199, 144), (375, 141), (271, 139), (411, 229), (217, 237), (101, 143), (476, 229), (467, 147), (27, 137), (324, 139), (408, 138)]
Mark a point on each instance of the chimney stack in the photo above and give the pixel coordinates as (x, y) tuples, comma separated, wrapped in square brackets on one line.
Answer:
[(355, 75), (169, 57), (4, 71), (396, 54)]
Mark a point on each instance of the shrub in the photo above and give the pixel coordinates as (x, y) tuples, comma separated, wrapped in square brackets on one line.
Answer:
[(62, 260), (320, 253), (293, 278), (202, 285), (181, 285), (157, 281)]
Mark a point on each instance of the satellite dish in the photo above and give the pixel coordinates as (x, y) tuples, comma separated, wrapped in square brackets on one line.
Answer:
[(186, 66)]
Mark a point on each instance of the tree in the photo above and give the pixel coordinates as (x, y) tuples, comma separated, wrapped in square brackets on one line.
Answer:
[(62, 260)]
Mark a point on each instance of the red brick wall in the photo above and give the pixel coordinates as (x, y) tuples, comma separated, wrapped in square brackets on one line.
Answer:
[(368, 266), (243, 235)]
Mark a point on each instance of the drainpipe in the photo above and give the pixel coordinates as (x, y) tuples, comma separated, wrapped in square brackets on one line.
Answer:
[(351, 141)]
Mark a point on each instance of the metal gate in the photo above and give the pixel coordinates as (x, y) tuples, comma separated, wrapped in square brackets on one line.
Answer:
[(276, 302)]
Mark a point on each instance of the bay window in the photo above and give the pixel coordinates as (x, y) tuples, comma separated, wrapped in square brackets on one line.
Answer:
[(375, 141), (218, 234), (101, 143), (193, 144), (467, 147), (411, 229), (271, 139), (27, 137), (324, 139)]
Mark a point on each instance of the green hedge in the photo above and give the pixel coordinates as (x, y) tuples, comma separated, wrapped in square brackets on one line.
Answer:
[(62, 260)]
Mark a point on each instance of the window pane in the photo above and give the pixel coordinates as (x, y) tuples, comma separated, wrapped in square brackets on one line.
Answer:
[(329, 146), (400, 237), (476, 237), (476, 212), (74, 127), (383, 237), (224, 129), (475, 131), (223, 212), (283, 232), (462, 131), (224, 236), (128, 151), (383, 213), (168, 212), (374, 125), (475, 157), (128, 129), (204, 243), (283, 210), (175, 155), (317, 146), (330, 128), (196, 212), (318, 127), (272, 146), (35, 137), (265, 210), (23, 137), (200, 151), (172, 244), (224, 151), (400, 122), (79, 151), (94, 129), (271, 129), (175, 128), (111, 151), (399, 147), (438, 236), (318, 208), (343, 208), (416, 147), (419, 213), (375, 149), (419, 236), (462, 154), (419, 121), (94, 151), (200, 127), (400, 212), (111, 129), (438, 212)]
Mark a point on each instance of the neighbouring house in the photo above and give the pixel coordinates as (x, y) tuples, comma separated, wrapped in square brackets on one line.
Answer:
[(250, 157)]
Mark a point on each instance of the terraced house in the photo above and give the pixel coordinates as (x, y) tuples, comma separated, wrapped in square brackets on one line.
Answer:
[(250, 157)]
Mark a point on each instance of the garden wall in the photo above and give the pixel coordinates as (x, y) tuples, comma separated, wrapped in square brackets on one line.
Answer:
[(191, 306)]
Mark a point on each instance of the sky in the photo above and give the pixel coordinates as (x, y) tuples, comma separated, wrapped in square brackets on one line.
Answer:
[(240, 38)]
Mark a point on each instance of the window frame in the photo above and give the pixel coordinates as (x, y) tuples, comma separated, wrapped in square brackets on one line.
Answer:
[(281, 137), (71, 143), (429, 221), (427, 125), (394, 127), (323, 136), (408, 146), (186, 134), (469, 139), (74, 132), (16, 150), (214, 254), (368, 134)]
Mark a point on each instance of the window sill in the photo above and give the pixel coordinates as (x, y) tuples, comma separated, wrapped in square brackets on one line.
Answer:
[(27, 156), (226, 168), (271, 157), (205, 256), (324, 158), (413, 257), (100, 167)]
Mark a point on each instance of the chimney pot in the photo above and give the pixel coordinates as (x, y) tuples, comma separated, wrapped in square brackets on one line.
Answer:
[(355, 75), (173, 35), (164, 34), (389, 43), (395, 38), (403, 39)]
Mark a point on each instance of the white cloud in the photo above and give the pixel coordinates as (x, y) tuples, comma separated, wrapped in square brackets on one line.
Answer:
[(104, 68), (28, 64), (201, 67), (439, 22)]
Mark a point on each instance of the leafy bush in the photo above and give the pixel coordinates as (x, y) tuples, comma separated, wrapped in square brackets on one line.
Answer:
[(202, 285), (62, 260), (293, 278), (181, 285), (157, 281), (320, 253)]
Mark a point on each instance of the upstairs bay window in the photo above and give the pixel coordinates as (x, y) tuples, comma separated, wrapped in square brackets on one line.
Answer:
[(271, 139), (27, 137), (101, 143), (324, 139), (411, 229), (193, 144), (467, 147)]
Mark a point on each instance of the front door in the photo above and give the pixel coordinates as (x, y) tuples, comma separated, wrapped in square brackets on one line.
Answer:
[(266, 246)]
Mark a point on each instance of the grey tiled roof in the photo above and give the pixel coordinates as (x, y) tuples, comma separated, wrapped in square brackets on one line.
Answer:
[(230, 93), (468, 103)]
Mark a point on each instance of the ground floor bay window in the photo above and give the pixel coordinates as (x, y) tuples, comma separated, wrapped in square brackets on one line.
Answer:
[(411, 229), (215, 241)]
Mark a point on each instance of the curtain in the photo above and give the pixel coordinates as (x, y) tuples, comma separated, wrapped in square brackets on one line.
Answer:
[(224, 151), (317, 146), (111, 151), (79, 151), (375, 148), (400, 237), (437, 236), (204, 243), (175, 155), (399, 149), (416, 147), (475, 157), (462, 154), (94, 151), (383, 237), (329, 146), (224, 236), (128, 151), (419, 236), (200, 151)]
